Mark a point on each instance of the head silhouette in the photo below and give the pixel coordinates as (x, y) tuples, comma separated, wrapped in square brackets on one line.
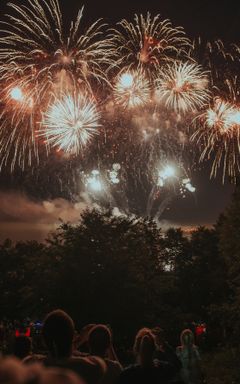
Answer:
[(99, 340), (58, 333), (144, 346), (187, 338)]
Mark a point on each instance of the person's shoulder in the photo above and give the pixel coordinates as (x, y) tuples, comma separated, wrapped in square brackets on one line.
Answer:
[(34, 358), (113, 363), (93, 363), (131, 368)]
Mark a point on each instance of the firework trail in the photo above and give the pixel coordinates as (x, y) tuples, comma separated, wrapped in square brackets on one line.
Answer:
[(170, 180)]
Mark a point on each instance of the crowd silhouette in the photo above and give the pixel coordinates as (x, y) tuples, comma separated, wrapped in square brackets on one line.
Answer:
[(89, 357)]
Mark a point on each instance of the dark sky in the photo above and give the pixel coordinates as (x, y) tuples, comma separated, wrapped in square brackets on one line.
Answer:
[(210, 19)]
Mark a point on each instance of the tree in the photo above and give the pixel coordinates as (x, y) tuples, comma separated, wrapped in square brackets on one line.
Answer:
[(229, 228)]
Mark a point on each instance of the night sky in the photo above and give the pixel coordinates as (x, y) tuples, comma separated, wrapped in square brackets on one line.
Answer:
[(24, 215)]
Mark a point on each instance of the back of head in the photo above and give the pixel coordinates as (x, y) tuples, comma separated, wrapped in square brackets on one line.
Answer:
[(99, 340), (187, 338), (145, 346), (58, 333), (22, 346)]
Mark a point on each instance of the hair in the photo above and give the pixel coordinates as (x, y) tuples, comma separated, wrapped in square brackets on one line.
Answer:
[(187, 338), (22, 346), (144, 345), (58, 333), (99, 339)]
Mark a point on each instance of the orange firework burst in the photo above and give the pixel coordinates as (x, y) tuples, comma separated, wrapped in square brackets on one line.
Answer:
[(132, 89), (218, 135)]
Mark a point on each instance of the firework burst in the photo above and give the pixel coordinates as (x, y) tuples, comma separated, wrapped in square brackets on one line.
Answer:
[(132, 89), (70, 122), (147, 41), (36, 52), (218, 134), (39, 60), (182, 87)]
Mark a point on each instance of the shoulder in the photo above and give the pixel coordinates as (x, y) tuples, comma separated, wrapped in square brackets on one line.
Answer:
[(113, 364), (34, 358)]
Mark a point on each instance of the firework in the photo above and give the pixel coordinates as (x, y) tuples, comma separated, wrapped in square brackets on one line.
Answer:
[(218, 135), (36, 51), (70, 122), (16, 94), (132, 89), (182, 87), (168, 172), (186, 184), (93, 182), (114, 174), (38, 59), (148, 41)]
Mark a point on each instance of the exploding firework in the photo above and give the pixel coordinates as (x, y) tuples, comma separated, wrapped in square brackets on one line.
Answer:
[(148, 41), (218, 134), (38, 59), (36, 52), (182, 87), (132, 89), (70, 122)]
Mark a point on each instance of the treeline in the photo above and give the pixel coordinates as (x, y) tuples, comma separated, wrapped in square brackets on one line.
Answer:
[(126, 272)]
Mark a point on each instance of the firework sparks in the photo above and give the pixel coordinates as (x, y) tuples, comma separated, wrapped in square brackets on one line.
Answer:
[(182, 87), (168, 172), (218, 134), (40, 54), (149, 41), (38, 59), (93, 182), (187, 185), (132, 89), (70, 122), (16, 94), (114, 174)]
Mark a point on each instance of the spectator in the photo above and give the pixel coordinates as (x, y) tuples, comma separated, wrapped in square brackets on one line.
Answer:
[(100, 344), (189, 356), (58, 333), (13, 372), (81, 341), (146, 370)]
